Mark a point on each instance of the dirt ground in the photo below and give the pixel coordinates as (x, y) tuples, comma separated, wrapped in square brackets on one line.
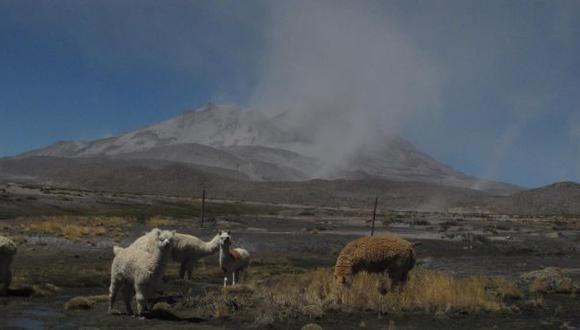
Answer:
[(294, 240)]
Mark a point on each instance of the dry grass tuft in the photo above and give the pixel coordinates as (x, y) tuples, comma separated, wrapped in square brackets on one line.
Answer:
[(504, 288), (314, 293), (549, 280), (311, 326), (79, 303), (158, 221), (74, 228), (82, 302)]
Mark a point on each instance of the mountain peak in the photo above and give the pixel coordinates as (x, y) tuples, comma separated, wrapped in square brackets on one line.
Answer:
[(263, 148)]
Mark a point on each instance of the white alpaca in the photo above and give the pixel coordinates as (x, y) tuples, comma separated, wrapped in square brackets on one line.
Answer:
[(232, 261), (188, 249), (7, 252), (137, 270)]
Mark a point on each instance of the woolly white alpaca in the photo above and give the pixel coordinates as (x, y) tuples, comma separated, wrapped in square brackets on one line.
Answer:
[(7, 252), (188, 249), (137, 269), (232, 261)]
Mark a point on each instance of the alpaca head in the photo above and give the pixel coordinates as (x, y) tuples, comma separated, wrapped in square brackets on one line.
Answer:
[(225, 239), (164, 238), (343, 270), (342, 280)]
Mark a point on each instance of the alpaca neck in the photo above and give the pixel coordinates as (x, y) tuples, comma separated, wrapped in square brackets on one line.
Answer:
[(224, 255), (211, 246), (221, 257), (161, 257)]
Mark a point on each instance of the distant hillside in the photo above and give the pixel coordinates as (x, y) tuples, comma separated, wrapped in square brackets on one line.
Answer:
[(163, 177), (182, 179), (557, 198)]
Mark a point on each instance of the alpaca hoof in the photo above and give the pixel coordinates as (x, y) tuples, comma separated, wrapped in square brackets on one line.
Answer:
[(113, 311)]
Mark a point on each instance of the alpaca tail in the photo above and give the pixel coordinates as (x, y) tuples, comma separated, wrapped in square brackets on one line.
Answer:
[(117, 249)]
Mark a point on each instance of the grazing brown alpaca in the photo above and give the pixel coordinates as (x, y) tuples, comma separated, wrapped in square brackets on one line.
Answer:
[(376, 254)]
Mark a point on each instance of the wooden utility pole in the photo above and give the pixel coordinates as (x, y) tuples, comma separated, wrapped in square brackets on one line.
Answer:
[(202, 207), (374, 216)]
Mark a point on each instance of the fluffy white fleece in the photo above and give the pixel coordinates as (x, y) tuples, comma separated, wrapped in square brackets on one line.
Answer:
[(7, 251), (138, 269)]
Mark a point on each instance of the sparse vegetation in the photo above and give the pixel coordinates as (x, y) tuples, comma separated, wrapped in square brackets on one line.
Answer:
[(311, 326), (158, 221), (448, 224), (72, 275), (85, 302), (504, 289), (314, 293), (548, 280), (71, 227), (420, 222), (307, 213), (281, 286)]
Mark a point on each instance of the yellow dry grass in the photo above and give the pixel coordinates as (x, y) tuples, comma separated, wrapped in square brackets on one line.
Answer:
[(314, 293), (504, 288), (158, 221), (426, 291), (74, 228)]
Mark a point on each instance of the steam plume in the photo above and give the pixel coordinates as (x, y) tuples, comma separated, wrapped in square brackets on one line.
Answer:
[(344, 76)]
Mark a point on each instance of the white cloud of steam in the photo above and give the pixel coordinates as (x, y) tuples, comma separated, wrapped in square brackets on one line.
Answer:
[(345, 76)]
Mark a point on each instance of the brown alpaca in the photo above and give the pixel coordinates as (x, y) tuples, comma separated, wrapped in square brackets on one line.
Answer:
[(376, 254)]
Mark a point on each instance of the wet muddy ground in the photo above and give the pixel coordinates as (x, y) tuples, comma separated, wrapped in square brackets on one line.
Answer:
[(293, 241)]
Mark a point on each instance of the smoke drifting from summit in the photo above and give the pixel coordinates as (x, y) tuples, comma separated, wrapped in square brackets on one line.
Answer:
[(344, 75)]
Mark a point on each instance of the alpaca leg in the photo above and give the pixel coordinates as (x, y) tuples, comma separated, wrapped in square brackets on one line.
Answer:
[(8, 282), (404, 278), (225, 279), (396, 279), (113, 291), (234, 277), (182, 269), (128, 294), (140, 292), (189, 269), (4, 288)]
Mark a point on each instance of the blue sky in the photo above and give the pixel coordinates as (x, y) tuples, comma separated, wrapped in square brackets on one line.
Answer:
[(505, 75)]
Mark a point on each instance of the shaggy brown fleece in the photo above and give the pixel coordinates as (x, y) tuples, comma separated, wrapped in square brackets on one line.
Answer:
[(376, 254)]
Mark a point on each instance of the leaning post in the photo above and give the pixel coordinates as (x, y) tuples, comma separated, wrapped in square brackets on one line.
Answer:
[(202, 208), (374, 216)]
